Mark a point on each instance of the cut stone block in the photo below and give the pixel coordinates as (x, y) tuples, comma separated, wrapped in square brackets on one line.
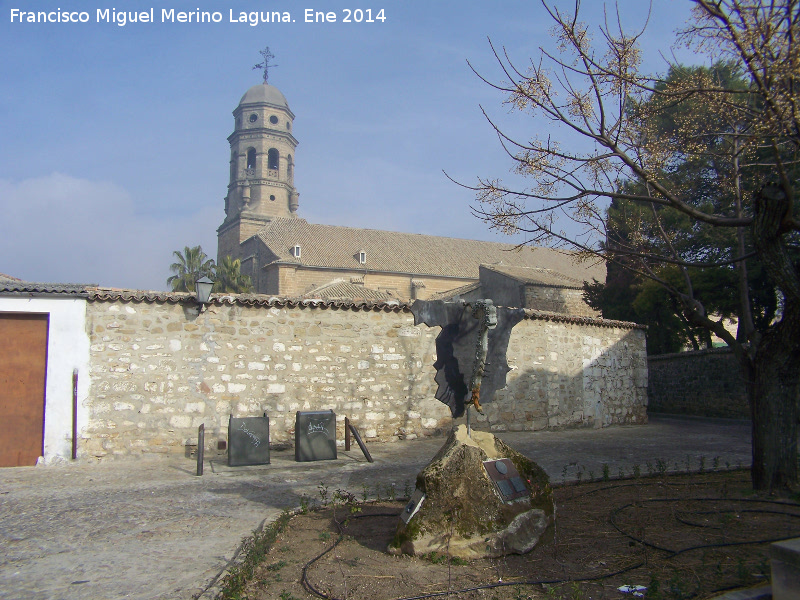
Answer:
[(785, 560)]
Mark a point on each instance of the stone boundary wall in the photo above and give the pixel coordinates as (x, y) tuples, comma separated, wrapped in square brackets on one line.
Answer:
[(703, 383), (159, 368)]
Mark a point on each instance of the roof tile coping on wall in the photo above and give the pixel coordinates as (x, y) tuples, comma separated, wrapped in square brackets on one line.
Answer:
[(544, 315), (35, 289), (117, 295)]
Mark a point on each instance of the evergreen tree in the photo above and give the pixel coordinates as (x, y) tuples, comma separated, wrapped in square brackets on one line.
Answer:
[(190, 266), (708, 171), (228, 277)]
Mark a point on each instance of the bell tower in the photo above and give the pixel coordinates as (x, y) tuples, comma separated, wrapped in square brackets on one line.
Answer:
[(261, 186)]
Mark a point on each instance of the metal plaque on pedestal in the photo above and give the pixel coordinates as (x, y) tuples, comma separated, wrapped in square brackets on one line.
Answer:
[(507, 481), (248, 441), (315, 436)]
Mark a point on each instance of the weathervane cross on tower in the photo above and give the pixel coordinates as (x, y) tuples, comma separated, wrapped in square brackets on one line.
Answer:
[(265, 63)]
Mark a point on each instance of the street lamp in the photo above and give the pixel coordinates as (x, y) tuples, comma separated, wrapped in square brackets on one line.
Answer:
[(203, 288)]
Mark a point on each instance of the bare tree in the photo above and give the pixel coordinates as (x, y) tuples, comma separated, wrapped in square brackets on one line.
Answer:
[(591, 85)]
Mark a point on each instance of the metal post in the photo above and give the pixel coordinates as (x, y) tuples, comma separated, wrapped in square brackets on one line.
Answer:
[(346, 433), (360, 442), (74, 414), (469, 428), (201, 447)]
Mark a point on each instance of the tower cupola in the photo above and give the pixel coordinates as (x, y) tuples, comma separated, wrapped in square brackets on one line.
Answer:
[(262, 156), (261, 185)]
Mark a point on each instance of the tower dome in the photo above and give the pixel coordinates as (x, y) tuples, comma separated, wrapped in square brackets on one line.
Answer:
[(264, 93)]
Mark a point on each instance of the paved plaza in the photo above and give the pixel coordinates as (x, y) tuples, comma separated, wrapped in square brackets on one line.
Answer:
[(151, 529)]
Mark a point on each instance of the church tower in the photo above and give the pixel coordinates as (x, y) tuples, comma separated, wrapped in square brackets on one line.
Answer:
[(261, 186)]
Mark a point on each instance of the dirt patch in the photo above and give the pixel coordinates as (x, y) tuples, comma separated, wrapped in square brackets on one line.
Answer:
[(679, 536)]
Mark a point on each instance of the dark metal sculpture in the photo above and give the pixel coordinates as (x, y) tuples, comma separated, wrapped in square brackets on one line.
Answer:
[(473, 343)]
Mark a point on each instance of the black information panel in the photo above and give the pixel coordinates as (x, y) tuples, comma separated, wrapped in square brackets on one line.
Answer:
[(315, 436), (248, 441)]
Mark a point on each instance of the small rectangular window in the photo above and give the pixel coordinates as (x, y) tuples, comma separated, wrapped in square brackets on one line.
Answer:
[(362, 257), (296, 251)]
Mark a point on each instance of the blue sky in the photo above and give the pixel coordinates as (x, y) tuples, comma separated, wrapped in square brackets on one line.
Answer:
[(114, 148)]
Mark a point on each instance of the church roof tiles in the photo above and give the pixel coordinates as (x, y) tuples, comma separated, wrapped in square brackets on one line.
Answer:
[(538, 276), (455, 292), (338, 289), (8, 278), (338, 247)]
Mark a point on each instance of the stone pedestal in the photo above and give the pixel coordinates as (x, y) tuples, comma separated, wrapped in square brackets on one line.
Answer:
[(785, 561), (477, 498)]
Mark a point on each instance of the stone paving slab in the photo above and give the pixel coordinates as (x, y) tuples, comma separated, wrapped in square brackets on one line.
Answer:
[(150, 529)]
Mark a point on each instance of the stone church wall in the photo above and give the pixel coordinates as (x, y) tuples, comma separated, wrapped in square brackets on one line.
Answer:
[(556, 299), (299, 280), (159, 369)]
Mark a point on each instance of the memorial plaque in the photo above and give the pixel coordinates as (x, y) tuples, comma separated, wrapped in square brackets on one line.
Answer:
[(505, 488), (519, 484), (315, 436), (507, 481), (413, 505), (248, 441)]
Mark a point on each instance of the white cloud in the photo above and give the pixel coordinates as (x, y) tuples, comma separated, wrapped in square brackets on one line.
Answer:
[(60, 228)]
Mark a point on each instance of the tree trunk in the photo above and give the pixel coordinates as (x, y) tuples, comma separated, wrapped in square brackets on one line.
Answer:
[(772, 367), (774, 388)]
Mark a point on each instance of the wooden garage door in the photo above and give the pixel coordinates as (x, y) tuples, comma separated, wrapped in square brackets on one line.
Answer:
[(23, 364)]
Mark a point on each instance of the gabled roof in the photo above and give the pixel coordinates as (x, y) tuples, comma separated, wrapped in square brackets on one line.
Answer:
[(337, 247), (7, 278), (456, 292), (338, 289), (537, 276)]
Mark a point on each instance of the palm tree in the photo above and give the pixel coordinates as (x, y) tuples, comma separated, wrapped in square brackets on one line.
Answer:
[(190, 266), (229, 277)]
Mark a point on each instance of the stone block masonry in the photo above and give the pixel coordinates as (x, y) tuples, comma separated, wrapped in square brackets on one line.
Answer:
[(571, 371), (563, 300), (704, 383), (159, 368)]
